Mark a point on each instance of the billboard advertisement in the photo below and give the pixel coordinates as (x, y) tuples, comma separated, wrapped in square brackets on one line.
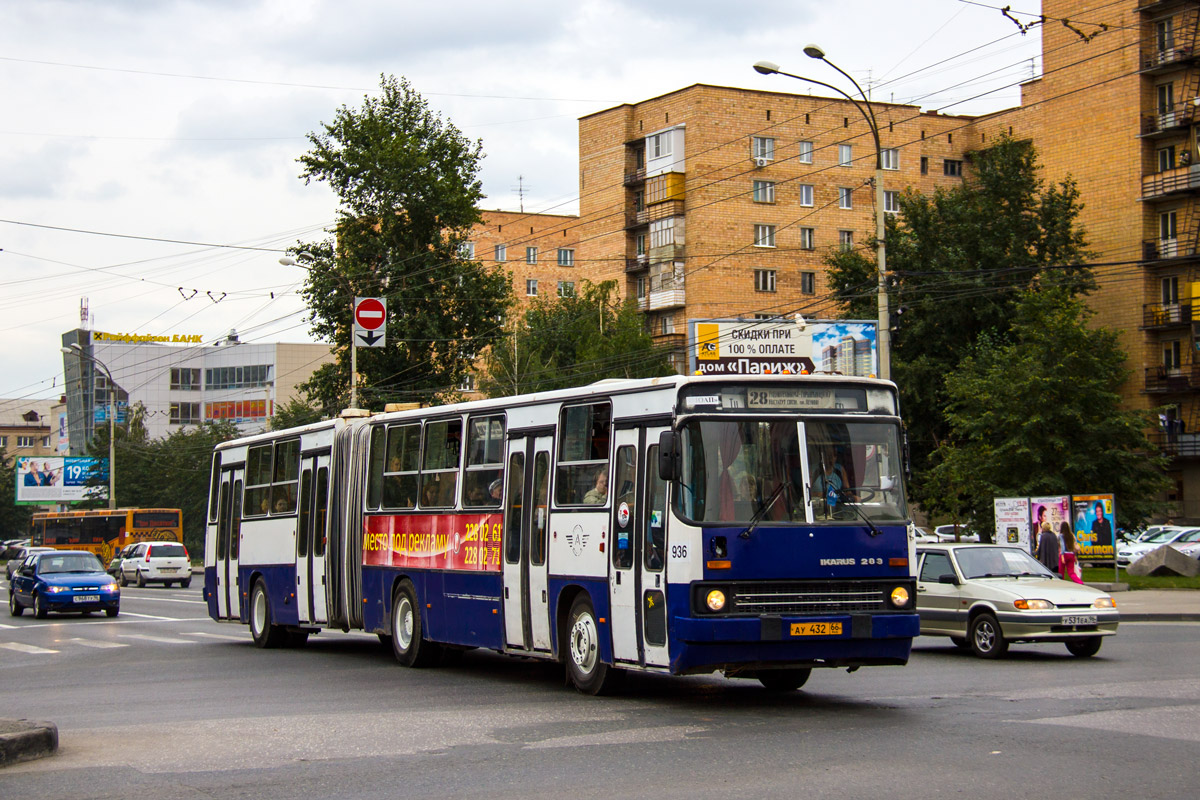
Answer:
[(1012, 521), (1095, 521), (1055, 510), (779, 346), (42, 480)]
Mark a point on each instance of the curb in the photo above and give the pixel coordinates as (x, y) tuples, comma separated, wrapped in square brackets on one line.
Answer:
[(1158, 617), (25, 740)]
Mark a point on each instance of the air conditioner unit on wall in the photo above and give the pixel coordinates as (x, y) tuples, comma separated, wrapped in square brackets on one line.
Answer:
[(761, 161)]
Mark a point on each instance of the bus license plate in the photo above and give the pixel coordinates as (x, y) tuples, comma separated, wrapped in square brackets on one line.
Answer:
[(816, 629), (87, 598), (1078, 620)]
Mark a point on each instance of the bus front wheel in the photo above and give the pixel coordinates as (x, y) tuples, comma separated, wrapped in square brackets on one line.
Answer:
[(783, 680), (264, 633), (587, 672), (407, 645)]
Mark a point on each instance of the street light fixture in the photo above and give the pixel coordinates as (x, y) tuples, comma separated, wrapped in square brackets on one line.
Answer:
[(303, 256), (883, 333), (75, 350)]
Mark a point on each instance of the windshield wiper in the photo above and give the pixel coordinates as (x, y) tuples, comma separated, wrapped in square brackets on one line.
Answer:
[(842, 493), (762, 510)]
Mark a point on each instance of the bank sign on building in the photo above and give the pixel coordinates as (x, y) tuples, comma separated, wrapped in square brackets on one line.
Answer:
[(784, 345)]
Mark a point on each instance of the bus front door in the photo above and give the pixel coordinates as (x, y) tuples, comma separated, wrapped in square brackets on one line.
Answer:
[(311, 534), (623, 575), (229, 534), (526, 522)]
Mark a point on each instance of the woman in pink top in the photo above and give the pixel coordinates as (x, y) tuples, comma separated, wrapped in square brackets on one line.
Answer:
[(1068, 561)]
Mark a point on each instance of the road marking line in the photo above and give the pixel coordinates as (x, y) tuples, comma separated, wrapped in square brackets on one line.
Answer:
[(151, 616), (163, 599), (216, 636), (25, 648), (97, 643), (8, 627), (160, 639)]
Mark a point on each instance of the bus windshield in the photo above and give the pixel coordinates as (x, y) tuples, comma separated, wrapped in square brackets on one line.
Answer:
[(735, 469)]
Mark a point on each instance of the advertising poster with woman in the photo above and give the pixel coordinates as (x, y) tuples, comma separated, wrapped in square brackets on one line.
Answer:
[(1051, 510), (1094, 523)]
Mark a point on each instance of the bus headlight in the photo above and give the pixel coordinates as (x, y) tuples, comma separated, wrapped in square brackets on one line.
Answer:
[(900, 597), (715, 600)]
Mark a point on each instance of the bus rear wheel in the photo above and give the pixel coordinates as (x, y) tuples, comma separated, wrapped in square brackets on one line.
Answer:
[(783, 680), (264, 633), (407, 645), (586, 671)]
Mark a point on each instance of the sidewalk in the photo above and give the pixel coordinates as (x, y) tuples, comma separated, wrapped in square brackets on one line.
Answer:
[(1158, 605)]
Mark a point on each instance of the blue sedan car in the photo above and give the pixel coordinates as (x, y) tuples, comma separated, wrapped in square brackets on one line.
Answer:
[(63, 580)]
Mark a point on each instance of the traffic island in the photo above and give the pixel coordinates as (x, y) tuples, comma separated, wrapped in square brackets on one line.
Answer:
[(25, 740)]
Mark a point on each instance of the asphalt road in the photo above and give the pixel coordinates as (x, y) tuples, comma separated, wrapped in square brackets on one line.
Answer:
[(162, 702)]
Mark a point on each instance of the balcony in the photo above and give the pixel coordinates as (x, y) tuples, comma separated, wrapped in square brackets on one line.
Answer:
[(1165, 59), (1173, 380), (667, 298), (634, 177), (636, 264), (1171, 181), (671, 208), (1169, 119), (637, 217), (1183, 246), (1166, 315), (1176, 445)]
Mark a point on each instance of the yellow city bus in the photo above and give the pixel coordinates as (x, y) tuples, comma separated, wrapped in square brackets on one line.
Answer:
[(105, 531)]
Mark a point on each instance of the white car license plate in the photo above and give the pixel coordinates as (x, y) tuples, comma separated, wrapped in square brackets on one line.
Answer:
[(1078, 620), (168, 569), (87, 598)]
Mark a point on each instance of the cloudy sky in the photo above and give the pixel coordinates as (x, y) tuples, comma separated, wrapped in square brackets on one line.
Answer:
[(128, 122)]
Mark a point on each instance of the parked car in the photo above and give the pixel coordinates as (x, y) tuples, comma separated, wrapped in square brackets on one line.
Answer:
[(157, 562), (8, 549), (1131, 551), (63, 580), (22, 553), (114, 566), (986, 596), (923, 536), (945, 533)]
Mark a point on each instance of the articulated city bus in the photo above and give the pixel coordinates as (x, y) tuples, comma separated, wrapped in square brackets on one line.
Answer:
[(104, 531), (752, 525)]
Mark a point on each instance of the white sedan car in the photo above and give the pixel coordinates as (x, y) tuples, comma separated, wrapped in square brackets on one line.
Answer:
[(1175, 535)]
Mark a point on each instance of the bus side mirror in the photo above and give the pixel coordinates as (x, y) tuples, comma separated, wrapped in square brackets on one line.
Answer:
[(668, 456)]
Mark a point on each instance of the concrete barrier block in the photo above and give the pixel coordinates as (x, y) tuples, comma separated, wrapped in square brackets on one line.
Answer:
[(1166, 560)]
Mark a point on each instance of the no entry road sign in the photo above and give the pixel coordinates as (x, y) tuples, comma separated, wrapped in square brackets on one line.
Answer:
[(370, 321)]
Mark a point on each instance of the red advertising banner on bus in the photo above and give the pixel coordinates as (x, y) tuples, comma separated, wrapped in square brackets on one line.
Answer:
[(434, 541)]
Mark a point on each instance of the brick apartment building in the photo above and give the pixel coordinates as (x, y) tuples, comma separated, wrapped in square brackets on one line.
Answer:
[(715, 202), (537, 250)]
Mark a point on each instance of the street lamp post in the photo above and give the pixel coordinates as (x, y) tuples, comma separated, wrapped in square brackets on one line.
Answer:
[(883, 334), (76, 350)]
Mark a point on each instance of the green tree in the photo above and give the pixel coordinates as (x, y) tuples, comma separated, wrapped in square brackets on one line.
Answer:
[(294, 413), (958, 262), (1038, 412), (408, 186), (14, 519), (571, 341)]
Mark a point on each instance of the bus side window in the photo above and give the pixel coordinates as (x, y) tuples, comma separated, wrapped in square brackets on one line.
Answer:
[(286, 478), (656, 513), (584, 434), (624, 488), (400, 470), (512, 520)]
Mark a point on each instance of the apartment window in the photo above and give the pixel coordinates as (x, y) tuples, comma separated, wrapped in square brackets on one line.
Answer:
[(764, 191), (501, 252), (662, 232), (1172, 355), (185, 379), (1170, 290), (808, 238), (1166, 158), (764, 280), (185, 413), (3, 441), (641, 288), (659, 145), (566, 288), (45, 441), (566, 257), (237, 377), (952, 167), (846, 240), (891, 202), (467, 250), (763, 147), (531, 255), (467, 384), (1164, 36), (845, 155), (845, 197), (764, 235), (806, 152), (639, 244), (1167, 229), (1166, 101), (924, 165), (806, 194), (25, 441), (666, 324), (531, 287), (891, 158), (808, 282)]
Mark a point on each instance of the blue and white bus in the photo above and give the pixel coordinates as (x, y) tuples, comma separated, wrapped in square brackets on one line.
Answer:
[(755, 526)]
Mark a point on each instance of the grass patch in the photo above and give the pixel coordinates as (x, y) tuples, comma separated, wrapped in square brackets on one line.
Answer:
[(1105, 575)]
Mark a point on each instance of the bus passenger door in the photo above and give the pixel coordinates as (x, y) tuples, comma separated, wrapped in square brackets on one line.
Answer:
[(516, 548), (526, 523), (653, 557), (310, 538), (229, 533), (623, 574), (539, 526)]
